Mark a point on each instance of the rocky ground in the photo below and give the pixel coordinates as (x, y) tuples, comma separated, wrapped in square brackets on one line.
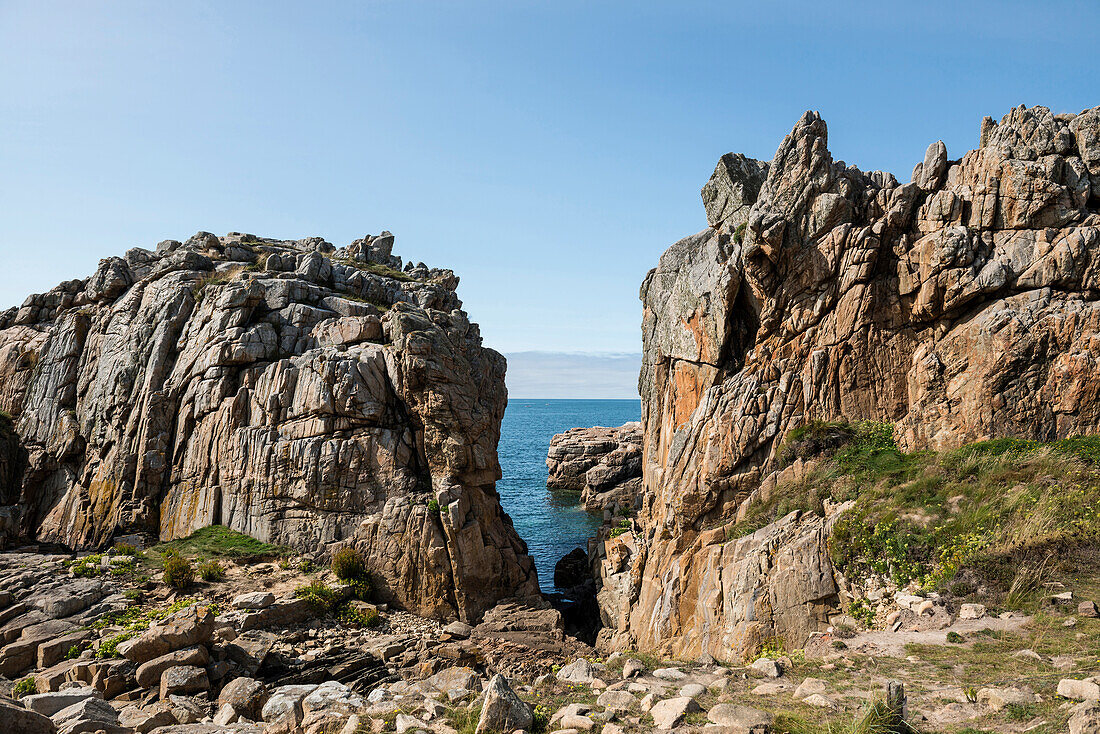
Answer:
[(102, 644)]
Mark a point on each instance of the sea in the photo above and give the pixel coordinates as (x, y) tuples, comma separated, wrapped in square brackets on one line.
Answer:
[(552, 523)]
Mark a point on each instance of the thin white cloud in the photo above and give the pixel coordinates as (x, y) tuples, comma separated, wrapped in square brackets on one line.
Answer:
[(573, 375)]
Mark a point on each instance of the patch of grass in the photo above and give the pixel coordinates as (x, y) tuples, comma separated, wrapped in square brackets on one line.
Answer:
[(322, 600), (218, 541), (991, 506), (464, 719), (124, 549), (86, 567), (623, 527), (24, 687), (349, 615)]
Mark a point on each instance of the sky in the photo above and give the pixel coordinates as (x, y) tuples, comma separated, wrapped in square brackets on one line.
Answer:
[(548, 152)]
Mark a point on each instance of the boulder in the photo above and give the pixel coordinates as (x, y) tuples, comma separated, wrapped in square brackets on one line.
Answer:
[(88, 716), (250, 649), (809, 686), (1084, 718), (1080, 690), (148, 673), (144, 719), (503, 710), (1088, 609), (186, 628), (49, 704), (768, 667), (18, 720), (183, 679), (972, 611), (617, 700), (670, 713), (245, 696), (669, 674), (741, 718), (578, 671), (285, 703), (999, 698), (253, 600), (332, 696)]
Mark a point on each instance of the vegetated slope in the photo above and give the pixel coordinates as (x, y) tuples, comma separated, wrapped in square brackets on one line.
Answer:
[(960, 306), (302, 394), (1004, 514)]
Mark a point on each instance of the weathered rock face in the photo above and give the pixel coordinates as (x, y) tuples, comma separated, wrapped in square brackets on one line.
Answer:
[(603, 464), (960, 306), (298, 393)]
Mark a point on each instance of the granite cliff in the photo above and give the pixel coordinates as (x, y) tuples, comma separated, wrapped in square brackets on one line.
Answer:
[(305, 395), (962, 305)]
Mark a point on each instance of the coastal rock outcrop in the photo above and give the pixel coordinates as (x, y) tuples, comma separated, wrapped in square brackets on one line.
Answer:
[(302, 394), (603, 464), (960, 306)]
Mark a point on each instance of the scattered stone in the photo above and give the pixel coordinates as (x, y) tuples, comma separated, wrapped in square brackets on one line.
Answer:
[(669, 674), (183, 679), (670, 713), (503, 710), (768, 667), (1079, 690), (633, 668), (741, 718), (972, 611), (1088, 609), (816, 699), (808, 687), (1028, 655), (18, 720), (691, 690), (770, 689), (1071, 622), (998, 698), (459, 629), (49, 704), (148, 673), (253, 600), (617, 700), (579, 671)]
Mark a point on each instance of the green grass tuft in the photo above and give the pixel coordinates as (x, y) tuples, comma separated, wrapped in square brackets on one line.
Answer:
[(218, 541)]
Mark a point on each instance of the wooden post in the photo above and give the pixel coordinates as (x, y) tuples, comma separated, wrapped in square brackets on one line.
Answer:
[(895, 700)]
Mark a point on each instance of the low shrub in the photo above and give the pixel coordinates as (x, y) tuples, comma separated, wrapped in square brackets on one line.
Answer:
[(211, 571), (433, 506), (955, 637), (178, 572), (348, 564), (124, 549)]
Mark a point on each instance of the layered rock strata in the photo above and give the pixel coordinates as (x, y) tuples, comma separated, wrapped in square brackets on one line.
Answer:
[(603, 464), (960, 306), (302, 394)]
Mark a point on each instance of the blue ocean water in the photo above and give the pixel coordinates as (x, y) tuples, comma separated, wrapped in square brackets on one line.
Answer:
[(551, 522)]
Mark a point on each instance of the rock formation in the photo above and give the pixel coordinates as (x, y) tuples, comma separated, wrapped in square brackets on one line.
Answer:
[(303, 394), (603, 464), (962, 305)]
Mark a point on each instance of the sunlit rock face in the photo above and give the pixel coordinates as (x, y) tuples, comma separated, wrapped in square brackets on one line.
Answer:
[(960, 306), (303, 394)]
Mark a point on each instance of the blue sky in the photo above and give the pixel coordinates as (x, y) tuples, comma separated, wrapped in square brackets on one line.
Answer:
[(547, 151)]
